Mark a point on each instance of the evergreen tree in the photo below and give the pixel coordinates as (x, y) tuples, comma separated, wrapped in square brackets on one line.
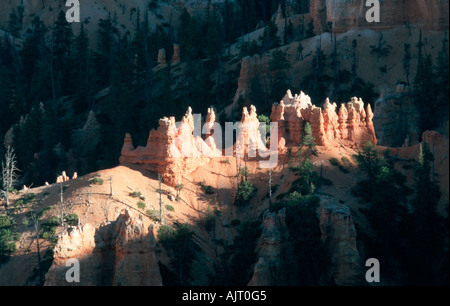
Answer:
[(406, 60), (82, 74), (426, 229), (270, 39)]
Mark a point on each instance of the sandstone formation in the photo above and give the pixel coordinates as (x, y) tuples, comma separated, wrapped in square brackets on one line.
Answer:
[(119, 253), (350, 126), (161, 57), (274, 235), (339, 237), (171, 150), (249, 139), (176, 54), (346, 15)]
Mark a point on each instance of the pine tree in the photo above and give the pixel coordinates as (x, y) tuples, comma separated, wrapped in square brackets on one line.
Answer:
[(406, 60), (307, 142)]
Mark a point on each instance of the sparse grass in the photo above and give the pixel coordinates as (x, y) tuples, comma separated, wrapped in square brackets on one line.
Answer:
[(226, 161)]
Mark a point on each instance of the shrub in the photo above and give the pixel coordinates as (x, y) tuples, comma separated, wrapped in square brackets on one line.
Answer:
[(49, 229), (334, 161), (170, 207), (141, 204), (207, 189), (72, 219), (153, 214), (246, 191), (7, 245), (6, 221), (346, 161), (28, 198), (137, 194), (165, 233)]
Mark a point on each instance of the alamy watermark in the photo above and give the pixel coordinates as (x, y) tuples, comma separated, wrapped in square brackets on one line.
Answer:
[(73, 13), (373, 13), (241, 140)]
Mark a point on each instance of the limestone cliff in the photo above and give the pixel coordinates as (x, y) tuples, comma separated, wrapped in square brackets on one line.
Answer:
[(118, 253)]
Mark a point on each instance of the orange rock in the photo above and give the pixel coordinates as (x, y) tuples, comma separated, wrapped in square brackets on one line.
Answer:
[(350, 126)]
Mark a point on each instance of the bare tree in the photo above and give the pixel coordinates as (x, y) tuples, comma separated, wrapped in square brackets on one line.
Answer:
[(9, 173)]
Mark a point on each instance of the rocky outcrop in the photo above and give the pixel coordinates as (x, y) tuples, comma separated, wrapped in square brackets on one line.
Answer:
[(346, 15), (172, 150), (350, 126), (161, 57), (176, 54), (339, 238), (270, 247), (249, 139), (397, 119), (118, 253)]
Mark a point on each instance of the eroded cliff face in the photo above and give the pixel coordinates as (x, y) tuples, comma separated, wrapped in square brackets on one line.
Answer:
[(339, 237), (349, 14), (397, 119), (270, 247), (117, 253), (351, 125)]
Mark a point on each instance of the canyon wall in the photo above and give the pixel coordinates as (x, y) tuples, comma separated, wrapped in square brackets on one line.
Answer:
[(117, 253), (349, 14), (339, 237), (270, 247)]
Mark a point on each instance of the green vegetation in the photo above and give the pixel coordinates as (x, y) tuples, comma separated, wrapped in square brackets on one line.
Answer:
[(137, 194), (153, 214), (181, 249), (334, 161), (236, 263), (208, 190), (96, 181), (7, 237), (346, 161), (141, 205), (403, 226), (72, 219), (169, 207), (246, 191), (49, 229)]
